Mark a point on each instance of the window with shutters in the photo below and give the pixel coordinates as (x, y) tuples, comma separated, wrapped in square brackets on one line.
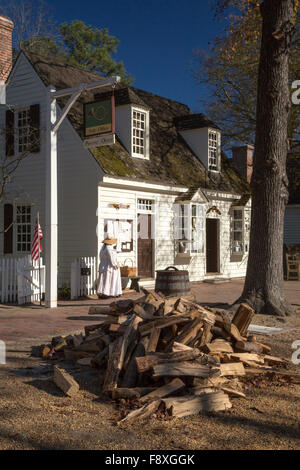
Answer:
[(23, 228)]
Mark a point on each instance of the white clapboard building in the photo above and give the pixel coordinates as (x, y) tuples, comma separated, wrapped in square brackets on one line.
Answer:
[(165, 188)]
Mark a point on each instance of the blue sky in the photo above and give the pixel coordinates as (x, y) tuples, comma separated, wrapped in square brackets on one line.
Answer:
[(157, 39)]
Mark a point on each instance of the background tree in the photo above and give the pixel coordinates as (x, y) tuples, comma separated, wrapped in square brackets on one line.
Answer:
[(230, 72), (263, 287), (76, 43)]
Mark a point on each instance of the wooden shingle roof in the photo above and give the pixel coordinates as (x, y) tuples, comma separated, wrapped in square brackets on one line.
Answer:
[(171, 160)]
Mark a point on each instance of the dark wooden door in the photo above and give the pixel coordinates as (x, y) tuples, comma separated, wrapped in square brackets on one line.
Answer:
[(212, 248), (144, 246)]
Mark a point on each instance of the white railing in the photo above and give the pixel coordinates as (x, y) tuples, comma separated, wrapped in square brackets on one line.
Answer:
[(19, 280), (84, 272)]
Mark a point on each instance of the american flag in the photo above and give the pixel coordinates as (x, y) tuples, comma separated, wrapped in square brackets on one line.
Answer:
[(37, 237)]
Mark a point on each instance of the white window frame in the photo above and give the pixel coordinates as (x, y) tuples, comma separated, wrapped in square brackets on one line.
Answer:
[(136, 130), (145, 205), (214, 148), (186, 223), (240, 247), (22, 141), (26, 232)]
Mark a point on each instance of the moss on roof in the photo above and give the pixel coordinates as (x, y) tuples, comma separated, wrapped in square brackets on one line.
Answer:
[(171, 160)]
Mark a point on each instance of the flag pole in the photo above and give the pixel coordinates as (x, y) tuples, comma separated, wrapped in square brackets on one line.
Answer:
[(39, 247)]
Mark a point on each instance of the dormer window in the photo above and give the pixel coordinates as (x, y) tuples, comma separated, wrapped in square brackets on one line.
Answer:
[(213, 150), (140, 133)]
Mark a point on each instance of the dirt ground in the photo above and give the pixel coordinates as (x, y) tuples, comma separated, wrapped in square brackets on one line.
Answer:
[(34, 414)]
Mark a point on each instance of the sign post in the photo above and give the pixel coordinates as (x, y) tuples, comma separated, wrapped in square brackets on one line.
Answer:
[(52, 125)]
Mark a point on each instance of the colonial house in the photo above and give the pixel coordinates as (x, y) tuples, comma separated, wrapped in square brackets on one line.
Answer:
[(164, 188), (242, 160)]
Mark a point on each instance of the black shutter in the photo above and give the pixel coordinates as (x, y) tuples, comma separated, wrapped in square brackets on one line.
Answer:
[(9, 133), (35, 128), (8, 235)]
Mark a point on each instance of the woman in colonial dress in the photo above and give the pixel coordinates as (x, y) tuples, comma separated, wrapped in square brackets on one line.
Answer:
[(109, 271)]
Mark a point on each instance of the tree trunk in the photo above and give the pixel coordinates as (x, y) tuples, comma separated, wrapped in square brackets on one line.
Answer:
[(264, 287)]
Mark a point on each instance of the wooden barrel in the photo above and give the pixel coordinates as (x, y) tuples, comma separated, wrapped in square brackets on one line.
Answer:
[(172, 282)]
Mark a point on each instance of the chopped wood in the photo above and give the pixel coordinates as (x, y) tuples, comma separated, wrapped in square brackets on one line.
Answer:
[(131, 373), (234, 369), (242, 318), (251, 347), (147, 362), (144, 412), (116, 328), (180, 347), (46, 351), (218, 346), (153, 340), (186, 406), (179, 369), (161, 323), (164, 391), (115, 362), (65, 382), (189, 332), (100, 310)]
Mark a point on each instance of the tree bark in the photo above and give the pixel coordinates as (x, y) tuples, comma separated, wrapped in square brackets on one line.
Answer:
[(264, 287)]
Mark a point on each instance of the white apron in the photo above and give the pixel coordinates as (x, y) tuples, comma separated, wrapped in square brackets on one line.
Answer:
[(109, 273)]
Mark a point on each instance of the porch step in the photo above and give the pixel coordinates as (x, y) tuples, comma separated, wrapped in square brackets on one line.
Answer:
[(148, 283)]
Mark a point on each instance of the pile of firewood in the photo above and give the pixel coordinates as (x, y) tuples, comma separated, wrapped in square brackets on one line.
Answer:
[(167, 353)]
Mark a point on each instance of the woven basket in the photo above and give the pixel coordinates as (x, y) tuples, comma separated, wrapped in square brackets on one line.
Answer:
[(128, 271)]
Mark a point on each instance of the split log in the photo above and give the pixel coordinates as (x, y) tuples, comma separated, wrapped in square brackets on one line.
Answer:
[(218, 346), (131, 372), (242, 318), (99, 358), (180, 347), (244, 357), (65, 382), (153, 340), (251, 347), (164, 391), (233, 369), (140, 311), (178, 369), (189, 332), (147, 362), (116, 359), (161, 323), (142, 413), (186, 406), (100, 310), (90, 328)]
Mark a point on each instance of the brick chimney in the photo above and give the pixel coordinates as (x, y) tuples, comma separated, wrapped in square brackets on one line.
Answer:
[(242, 159), (6, 29)]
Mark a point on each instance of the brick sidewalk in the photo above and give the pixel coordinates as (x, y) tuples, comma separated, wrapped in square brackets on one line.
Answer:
[(33, 322)]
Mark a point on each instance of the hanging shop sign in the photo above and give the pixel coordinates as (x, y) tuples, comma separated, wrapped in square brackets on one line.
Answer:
[(99, 123)]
